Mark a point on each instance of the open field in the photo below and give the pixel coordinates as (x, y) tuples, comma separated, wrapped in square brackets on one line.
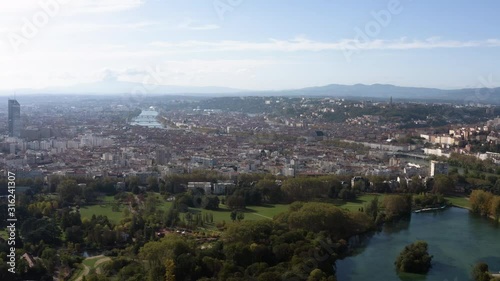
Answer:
[(359, 202), (462, 202), (86, 212), (223, 214), (267, 211), (104, 208)]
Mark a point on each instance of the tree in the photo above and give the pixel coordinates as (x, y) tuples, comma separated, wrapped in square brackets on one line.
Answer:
[(303, 189), (153, 184), (172, 217), (35, 230), (235, 202), (480, 202), (347, 194), (171, 247), (240, 216), (88, 194), (233, 215), (443, 184), (318, 217), (414, 259), (371, 209), (169, 270), (397, 206), (210, 202), (184, 201), (480, 272), (495, 207), (270, 190), (416, 185), (133, 184), (95, 277), (49, 258), (69, 191), (188, 216), (317, 275)]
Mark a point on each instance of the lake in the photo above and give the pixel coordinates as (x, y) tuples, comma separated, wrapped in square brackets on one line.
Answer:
[(457, 240)]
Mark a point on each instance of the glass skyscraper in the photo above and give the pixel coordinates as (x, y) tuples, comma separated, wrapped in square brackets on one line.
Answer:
[(14, 118)]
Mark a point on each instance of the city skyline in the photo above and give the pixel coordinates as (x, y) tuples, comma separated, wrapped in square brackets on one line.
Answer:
[(251, 45)]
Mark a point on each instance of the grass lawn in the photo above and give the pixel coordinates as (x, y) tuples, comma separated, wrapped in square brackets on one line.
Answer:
[(359, 202), (271, 210), (267, 211), (459, 201), (104, 208), (108, 199), (165, 205), (91, 261), (251, 212), (86, 212)]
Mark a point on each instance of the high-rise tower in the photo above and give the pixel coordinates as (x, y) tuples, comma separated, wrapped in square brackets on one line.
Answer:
[(14, 118)]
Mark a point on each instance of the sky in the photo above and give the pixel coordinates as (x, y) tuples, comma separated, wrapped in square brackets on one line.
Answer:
[(250, 44)]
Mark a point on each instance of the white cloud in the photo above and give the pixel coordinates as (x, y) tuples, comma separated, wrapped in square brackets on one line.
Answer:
[(22, 8), (118, 63), (303, 44), (99, 6), (92, 27), (50, 65)]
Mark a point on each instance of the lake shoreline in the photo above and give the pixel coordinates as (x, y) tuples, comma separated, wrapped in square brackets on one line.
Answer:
[(470, 210)]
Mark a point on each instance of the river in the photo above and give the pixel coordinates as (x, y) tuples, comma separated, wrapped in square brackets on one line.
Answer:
[(457, 240)]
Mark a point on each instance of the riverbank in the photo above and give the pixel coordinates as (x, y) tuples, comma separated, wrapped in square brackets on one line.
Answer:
[(459, 203)]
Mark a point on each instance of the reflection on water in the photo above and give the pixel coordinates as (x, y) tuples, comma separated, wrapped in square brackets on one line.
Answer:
[(456, 239), (396, 227)]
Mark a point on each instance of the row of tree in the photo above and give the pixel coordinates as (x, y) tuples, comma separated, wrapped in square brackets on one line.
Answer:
[(485, 204)]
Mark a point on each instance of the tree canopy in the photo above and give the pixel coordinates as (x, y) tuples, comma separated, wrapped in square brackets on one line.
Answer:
[(414, 258)]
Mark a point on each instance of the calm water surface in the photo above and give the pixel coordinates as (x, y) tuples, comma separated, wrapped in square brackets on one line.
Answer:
[(457, 240)]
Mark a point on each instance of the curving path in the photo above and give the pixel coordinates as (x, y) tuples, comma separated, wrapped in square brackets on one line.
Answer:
[(86, 269)]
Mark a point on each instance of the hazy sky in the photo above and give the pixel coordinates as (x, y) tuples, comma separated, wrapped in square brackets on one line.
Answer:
[(250, 44)]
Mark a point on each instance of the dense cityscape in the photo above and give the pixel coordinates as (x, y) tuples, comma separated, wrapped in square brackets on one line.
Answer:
[(192, 165)]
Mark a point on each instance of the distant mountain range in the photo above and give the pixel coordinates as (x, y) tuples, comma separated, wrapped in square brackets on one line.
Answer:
[(120, 88), (375, 91), (384, 91)]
